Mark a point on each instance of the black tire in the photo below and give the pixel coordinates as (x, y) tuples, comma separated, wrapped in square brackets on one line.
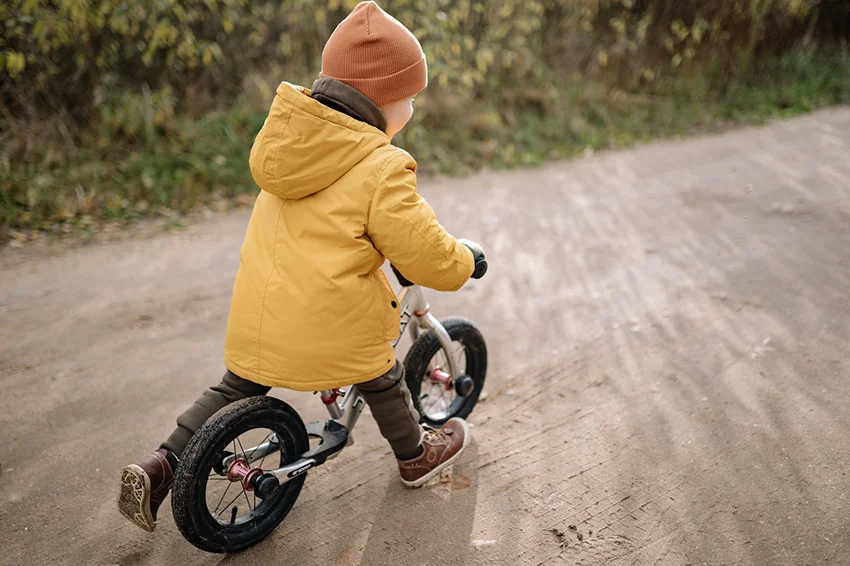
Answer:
[(427, 345), (188, 497)]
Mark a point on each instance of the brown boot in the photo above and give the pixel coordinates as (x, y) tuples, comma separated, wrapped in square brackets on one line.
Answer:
[(144, 486), (440, 449)]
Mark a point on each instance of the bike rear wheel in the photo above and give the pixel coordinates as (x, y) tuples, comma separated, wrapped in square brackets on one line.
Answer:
[(206, 503), (426, 367)]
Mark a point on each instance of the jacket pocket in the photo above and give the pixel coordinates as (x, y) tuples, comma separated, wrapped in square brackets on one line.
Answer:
[(389, 303)]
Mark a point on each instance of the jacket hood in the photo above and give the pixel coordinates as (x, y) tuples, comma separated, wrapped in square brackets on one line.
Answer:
[(305, 146)]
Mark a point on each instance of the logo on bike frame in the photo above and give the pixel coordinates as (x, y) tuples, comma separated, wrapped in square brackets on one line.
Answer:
[(300, 470)]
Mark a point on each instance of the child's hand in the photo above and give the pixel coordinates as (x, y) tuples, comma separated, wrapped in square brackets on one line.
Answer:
[(477, 256), (477, 250)]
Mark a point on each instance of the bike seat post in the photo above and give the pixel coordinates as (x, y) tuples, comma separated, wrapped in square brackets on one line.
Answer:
[(329, 398)]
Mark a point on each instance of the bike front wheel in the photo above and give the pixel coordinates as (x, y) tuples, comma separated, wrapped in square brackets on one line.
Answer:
[(434, 392)]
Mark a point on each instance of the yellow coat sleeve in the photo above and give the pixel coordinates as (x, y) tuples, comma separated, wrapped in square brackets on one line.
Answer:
[(404, 228)]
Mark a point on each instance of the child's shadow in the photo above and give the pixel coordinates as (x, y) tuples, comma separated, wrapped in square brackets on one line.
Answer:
[(430, 525)]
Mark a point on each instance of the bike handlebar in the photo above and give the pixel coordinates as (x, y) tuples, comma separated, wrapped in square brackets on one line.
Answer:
[(480, 268)]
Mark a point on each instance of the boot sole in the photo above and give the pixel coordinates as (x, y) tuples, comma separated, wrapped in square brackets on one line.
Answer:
[(433, 473), (134, 499)]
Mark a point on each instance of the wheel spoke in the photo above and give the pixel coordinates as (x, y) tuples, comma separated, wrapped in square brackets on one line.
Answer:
[(430, 405), (437, 399), (263, 459), (442, 391), (232, 501), (428, 396), (441, 400), (215, 513), (260, 444), (248, 501), (442, 394), (241, 447)]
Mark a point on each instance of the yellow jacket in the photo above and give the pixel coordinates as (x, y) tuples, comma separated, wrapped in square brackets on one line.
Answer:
[(311, 307)]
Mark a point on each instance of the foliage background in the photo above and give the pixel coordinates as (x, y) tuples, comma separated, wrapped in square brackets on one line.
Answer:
[(114, 109)]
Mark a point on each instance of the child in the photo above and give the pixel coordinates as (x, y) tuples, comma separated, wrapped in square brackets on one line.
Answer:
[(311, 308)]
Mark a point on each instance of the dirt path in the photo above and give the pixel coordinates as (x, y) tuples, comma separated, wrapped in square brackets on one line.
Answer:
[(668, 330)]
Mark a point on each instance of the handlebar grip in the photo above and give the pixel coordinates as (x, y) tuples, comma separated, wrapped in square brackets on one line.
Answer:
[(480, 268), (402, 280)]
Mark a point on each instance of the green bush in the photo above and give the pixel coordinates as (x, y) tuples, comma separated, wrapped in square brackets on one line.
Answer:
[(105, 104), (70, 56)]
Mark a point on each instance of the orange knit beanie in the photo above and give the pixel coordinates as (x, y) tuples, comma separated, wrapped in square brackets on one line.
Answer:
[(374, 53)]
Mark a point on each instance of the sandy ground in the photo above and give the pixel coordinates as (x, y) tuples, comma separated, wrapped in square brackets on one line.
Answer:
[(668, 330)]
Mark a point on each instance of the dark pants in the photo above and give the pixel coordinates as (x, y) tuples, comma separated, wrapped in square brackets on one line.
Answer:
[(387, 397)]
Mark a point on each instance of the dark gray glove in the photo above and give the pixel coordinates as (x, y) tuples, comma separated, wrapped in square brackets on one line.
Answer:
[(477, 251), (478, 257)]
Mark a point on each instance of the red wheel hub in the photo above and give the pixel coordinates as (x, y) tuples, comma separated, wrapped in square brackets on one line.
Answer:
[(240, 471), (439, 376)]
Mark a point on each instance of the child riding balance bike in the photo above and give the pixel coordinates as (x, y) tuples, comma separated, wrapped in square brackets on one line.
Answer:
[(313, 311)]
